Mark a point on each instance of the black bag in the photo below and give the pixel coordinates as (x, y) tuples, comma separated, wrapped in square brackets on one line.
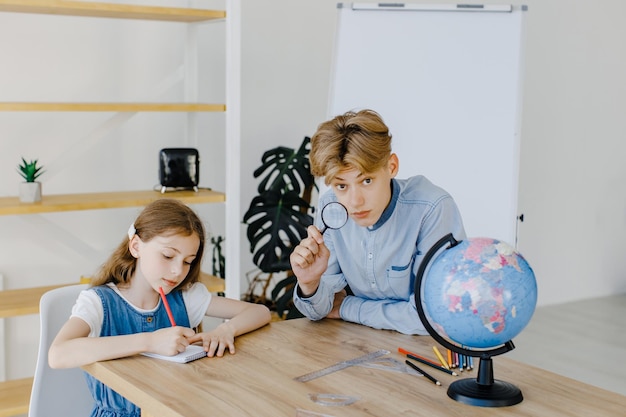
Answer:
[(179, 168)]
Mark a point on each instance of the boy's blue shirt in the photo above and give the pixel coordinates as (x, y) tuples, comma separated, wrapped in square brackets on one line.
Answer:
[(379, 263)]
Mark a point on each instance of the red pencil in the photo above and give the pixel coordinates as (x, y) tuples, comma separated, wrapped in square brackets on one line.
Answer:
[(167, 307), (406, 352)]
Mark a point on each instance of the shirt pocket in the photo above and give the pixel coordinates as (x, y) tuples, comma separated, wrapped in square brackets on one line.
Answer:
[(399, 279)]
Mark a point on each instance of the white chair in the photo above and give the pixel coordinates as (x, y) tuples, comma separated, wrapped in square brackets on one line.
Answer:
[(57, 392)]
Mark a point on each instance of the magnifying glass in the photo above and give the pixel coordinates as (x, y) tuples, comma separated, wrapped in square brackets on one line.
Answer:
[(334, 216)]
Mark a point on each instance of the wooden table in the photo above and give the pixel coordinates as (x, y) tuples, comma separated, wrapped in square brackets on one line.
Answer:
[(259, 379)]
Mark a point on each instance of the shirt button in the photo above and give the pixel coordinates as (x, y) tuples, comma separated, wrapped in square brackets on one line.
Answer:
[(370, 256), (149, 319)]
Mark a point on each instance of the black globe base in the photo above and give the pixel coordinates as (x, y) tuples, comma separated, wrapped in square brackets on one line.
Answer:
[(484, 390), (497, 394)]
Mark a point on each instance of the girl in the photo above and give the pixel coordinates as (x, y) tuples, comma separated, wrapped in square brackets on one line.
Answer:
[(122, 314)]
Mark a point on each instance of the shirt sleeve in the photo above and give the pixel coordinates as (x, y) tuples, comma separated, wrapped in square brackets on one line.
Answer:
[(197, 299), (88, 308), (389, 314), (317, 306)]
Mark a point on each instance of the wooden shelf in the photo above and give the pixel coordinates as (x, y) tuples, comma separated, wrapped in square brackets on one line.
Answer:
[(112, 107), (94, 201), (23, 301), (15, 396), (213, 283), (118, 11)]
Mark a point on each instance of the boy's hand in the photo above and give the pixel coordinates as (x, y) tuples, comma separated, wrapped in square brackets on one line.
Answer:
[(334, 313), (309, 260)]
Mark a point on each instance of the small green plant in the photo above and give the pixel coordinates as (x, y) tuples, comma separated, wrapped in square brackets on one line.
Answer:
[(29, 170)]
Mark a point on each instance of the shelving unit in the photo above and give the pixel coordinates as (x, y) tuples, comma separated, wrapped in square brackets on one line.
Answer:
[(15, 394)]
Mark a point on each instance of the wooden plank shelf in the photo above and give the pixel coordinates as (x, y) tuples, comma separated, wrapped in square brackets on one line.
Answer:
[(23, 301), (107, 200), (15, 396), (110, 107), (111, 10), (213, 283)]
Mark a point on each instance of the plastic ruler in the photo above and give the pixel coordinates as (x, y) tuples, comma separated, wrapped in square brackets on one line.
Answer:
[(341, 365)]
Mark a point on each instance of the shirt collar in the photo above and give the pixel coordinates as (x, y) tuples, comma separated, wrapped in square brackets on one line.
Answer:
[(395, 192)]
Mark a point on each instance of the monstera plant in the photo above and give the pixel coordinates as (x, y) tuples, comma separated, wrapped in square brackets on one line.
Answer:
[(277, 220)]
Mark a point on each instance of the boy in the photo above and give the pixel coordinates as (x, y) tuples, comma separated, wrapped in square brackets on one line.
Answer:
[(364, 272)]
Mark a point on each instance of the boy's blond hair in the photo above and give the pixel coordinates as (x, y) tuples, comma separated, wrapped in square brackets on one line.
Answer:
[(358, 140)]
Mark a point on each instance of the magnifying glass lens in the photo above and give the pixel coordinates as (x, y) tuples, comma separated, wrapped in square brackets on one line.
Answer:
[(334, 216)]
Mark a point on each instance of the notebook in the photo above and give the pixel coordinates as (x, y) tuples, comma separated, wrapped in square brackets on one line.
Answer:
[(192, 353)]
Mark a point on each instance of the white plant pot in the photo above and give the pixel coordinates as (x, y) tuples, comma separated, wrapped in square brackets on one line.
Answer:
[(30, 192)]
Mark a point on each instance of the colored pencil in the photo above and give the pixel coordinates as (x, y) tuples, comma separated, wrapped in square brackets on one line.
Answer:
[(167, 307), (441, 359), (414, 366), (408, 352)]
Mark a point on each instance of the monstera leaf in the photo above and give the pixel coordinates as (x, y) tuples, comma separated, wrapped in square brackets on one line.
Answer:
[(276, 224), (286, 170), (278, 217)]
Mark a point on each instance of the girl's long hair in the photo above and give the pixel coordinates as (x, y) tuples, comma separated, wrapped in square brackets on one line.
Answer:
[(162, 217)]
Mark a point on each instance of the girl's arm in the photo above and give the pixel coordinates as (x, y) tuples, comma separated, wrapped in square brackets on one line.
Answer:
[(72, 347), (243, 318)]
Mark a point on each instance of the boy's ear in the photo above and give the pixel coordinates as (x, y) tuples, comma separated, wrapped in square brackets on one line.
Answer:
[(393, 165)]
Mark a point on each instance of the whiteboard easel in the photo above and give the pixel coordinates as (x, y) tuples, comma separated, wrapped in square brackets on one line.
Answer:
[(447, 81)]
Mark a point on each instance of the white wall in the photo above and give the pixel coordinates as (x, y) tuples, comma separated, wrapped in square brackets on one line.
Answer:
[(572, 172), (572, 188)]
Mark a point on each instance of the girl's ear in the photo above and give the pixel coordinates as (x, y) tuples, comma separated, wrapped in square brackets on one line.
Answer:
[(393, 165), (133, 246)]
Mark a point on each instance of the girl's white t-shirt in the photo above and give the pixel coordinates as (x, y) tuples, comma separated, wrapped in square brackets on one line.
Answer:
[(88, 306)]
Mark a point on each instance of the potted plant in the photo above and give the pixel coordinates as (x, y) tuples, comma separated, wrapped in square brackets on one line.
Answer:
[(277, 220), (30, 189)]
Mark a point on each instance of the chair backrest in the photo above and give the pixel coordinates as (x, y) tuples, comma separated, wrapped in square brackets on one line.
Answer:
[(57, 392)]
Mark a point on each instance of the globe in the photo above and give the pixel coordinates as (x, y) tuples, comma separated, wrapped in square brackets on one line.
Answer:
[(480, 293), (473, 297)]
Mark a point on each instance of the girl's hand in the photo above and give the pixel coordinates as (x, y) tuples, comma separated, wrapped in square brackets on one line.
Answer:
[(170, 341), (216, 341)]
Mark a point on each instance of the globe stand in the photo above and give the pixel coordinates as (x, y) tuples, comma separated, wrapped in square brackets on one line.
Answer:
[(484, 391)]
